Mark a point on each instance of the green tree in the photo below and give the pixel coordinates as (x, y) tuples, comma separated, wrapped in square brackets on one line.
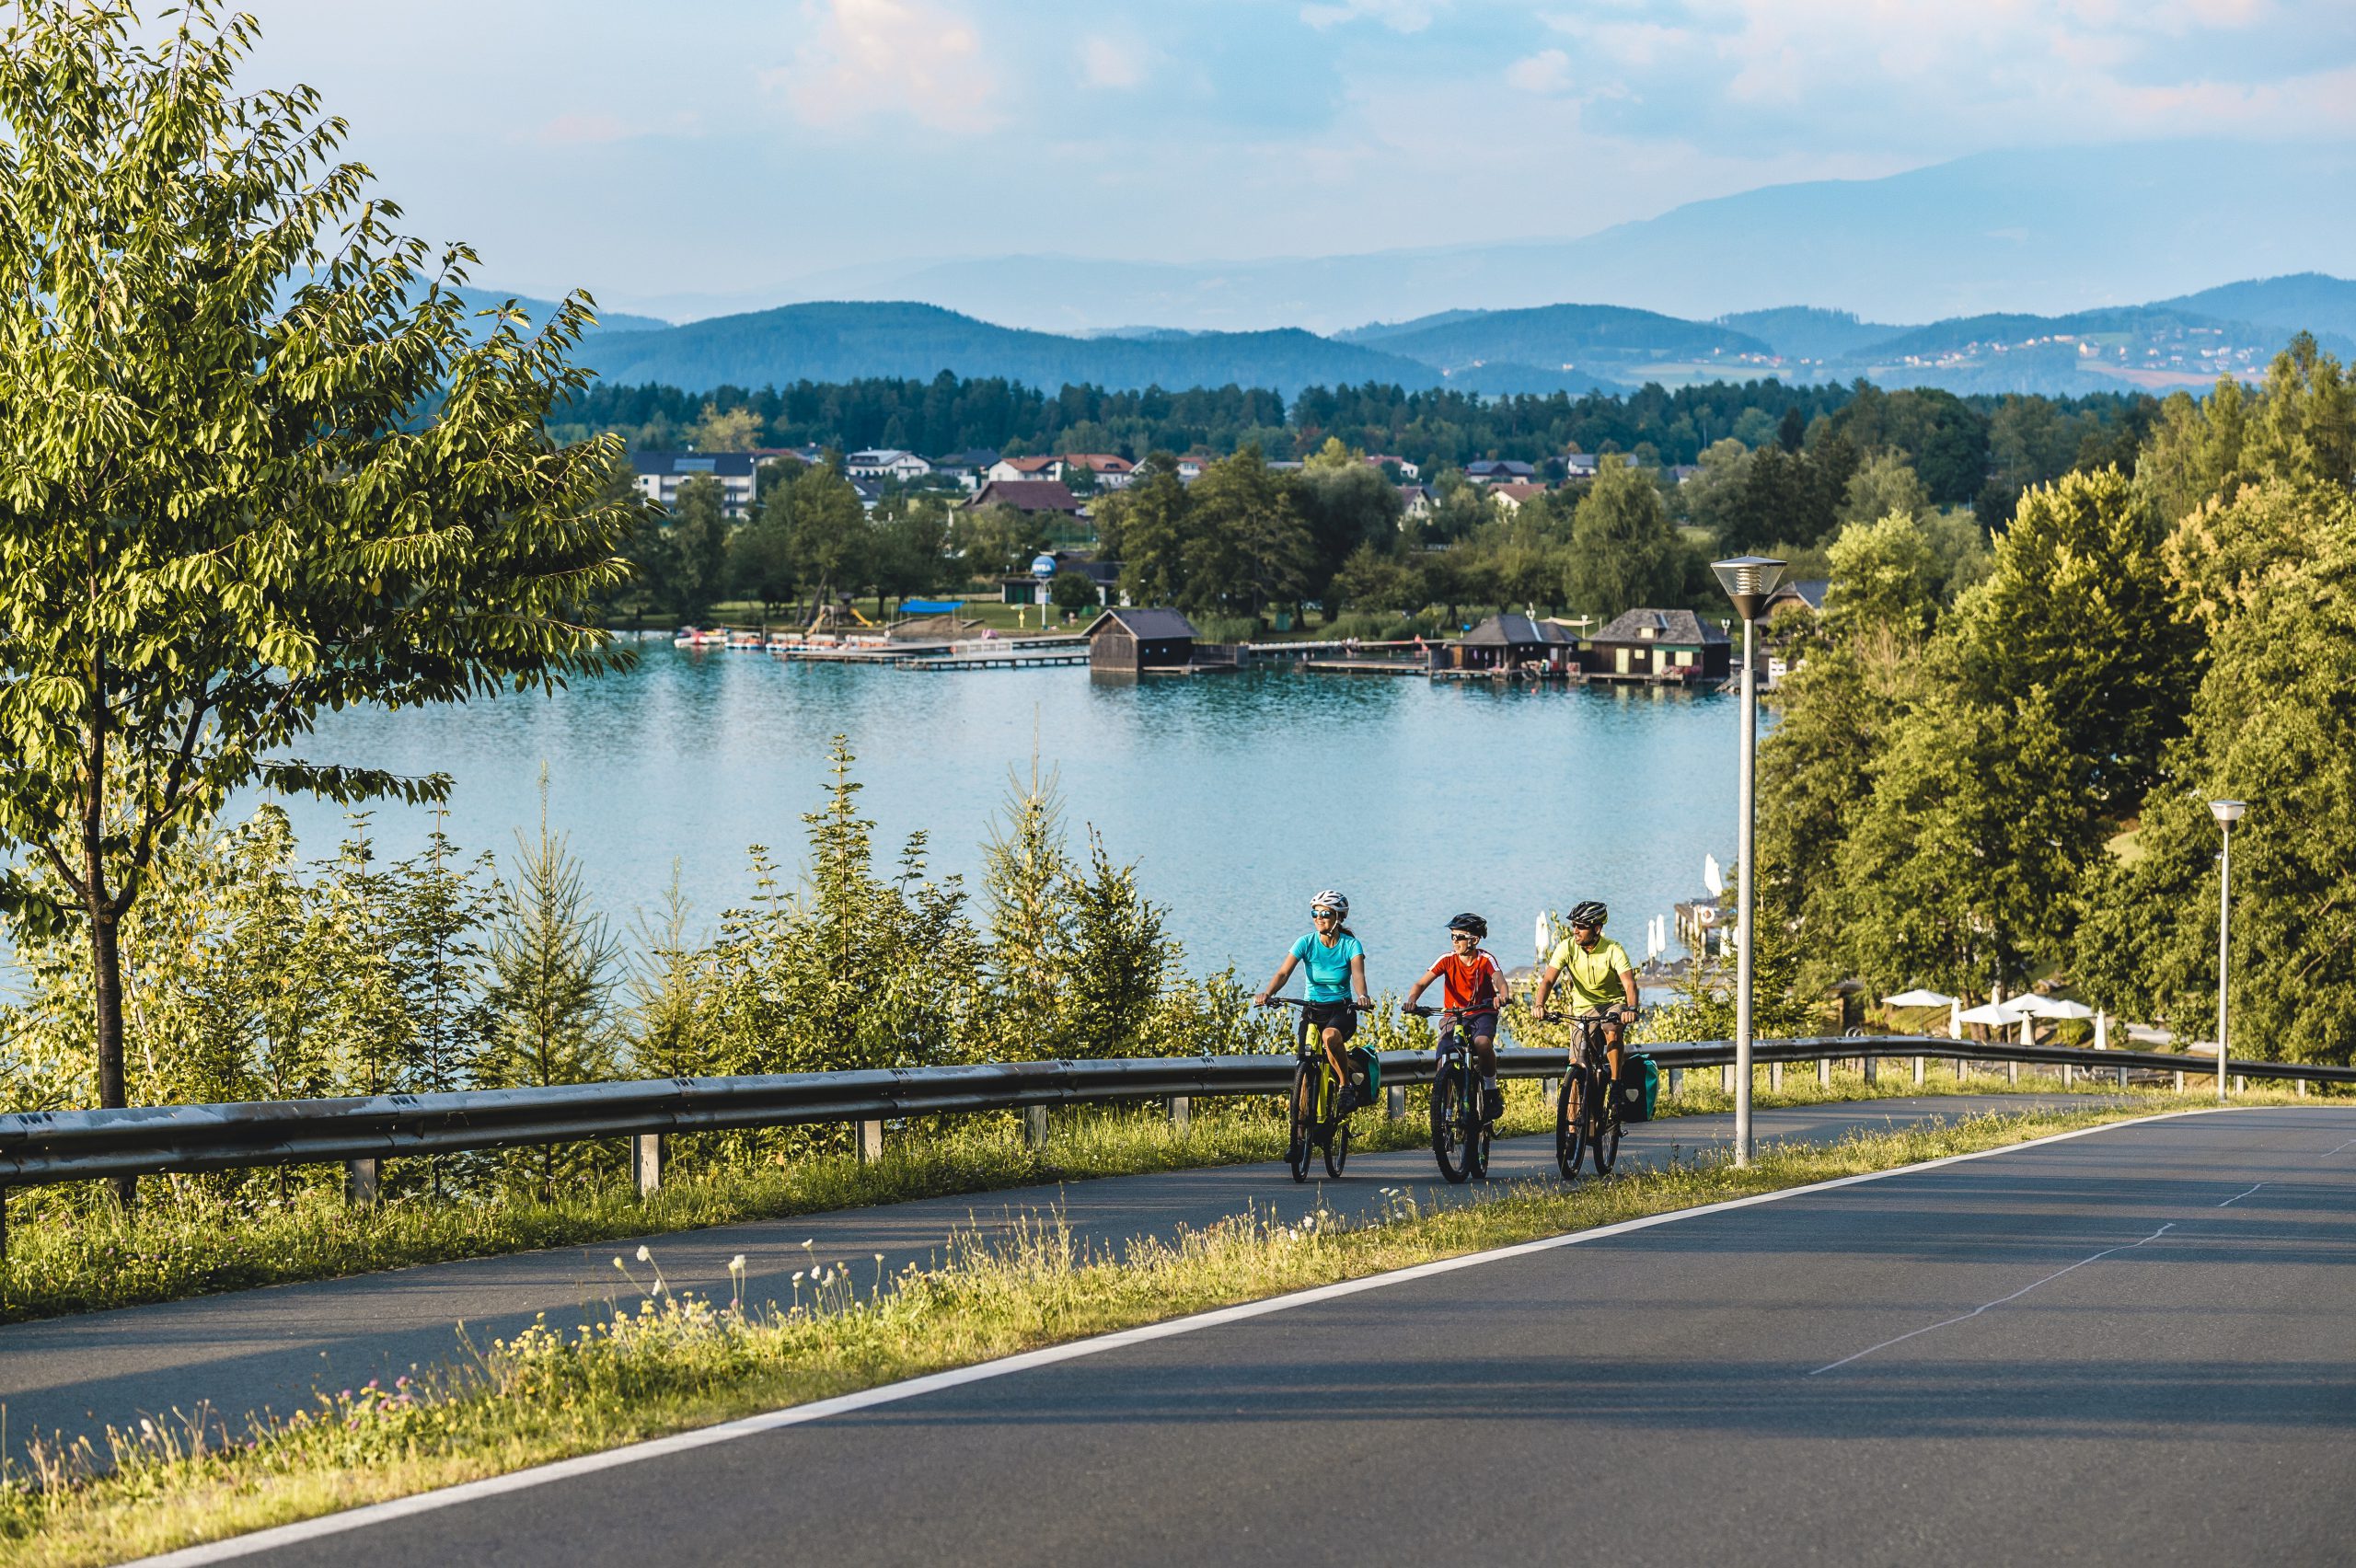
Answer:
[(248, 478), (833, 545), (1073, 591), (1149, 528), (2077, 606), (1249, 545), (2270, 724), (696, 564), (552, 962), (1625, 554), (1883, 576), (1882, 484), (1380, 579)]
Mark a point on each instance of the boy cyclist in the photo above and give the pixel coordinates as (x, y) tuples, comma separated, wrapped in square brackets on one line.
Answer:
[(1471, 989), (1593, 969)]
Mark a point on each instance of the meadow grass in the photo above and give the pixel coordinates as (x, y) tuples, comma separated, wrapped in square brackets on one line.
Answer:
[(183, 1240), (677, 1362)]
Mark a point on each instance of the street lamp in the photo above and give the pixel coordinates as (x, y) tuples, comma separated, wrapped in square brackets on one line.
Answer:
[(1748, 581), (2227, 813)]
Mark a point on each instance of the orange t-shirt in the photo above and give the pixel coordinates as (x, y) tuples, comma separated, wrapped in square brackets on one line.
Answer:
[(1468, 980)]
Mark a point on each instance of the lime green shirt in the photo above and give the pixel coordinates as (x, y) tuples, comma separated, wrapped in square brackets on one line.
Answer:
[(1591, 975)]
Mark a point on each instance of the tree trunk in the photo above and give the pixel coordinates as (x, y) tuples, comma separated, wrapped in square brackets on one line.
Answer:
[(106, 984)]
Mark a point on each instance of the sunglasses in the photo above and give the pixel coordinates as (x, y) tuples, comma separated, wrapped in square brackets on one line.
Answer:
[(1463, 937), (1323, 914)]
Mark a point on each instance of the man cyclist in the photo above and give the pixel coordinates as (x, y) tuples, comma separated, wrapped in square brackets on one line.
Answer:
[(1335, 965), (1590, 965), (1471, 986)]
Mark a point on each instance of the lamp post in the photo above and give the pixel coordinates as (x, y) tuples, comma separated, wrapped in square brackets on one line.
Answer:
[(2227, 813), (1748, 581)]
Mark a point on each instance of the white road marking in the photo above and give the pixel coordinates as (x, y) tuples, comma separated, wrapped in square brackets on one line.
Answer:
[(893, 1393), (2334, 1149), (2238, 1197), (2016, 1295)]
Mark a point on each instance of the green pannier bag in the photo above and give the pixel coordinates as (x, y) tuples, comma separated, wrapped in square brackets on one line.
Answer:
[(1370, 1065), (1636, 1094)]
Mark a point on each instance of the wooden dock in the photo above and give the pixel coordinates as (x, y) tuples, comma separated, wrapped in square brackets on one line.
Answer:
[(992, 661), (1365, 667)]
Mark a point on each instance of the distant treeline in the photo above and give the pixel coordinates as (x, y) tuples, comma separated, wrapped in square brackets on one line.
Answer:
[(1963, 442)]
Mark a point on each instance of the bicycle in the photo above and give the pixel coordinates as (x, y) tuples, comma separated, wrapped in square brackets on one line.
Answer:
[(1587, 1121), (1459, 1132), (1318, 1124)]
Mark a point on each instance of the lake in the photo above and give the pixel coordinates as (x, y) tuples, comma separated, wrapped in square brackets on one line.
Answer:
[(1239, 796)]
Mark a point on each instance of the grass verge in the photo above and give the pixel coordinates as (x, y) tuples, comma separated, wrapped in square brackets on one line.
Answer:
[(182, 1242), (680, 1362)]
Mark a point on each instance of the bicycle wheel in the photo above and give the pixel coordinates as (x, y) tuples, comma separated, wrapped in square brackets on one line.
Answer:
[(1476, 1145), (1570, 1124), (1603, 1141), (1304, 1124), (1450, 1118), (1337, 1148)]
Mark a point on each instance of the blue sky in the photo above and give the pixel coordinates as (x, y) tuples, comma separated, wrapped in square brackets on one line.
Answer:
[(723, 149)]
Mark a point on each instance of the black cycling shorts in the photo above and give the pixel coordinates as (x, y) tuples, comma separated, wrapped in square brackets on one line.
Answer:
[(1323, 1016)]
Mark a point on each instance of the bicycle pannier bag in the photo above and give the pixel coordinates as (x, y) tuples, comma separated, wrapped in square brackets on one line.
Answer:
[(1366, 1062), (1634, 1092)]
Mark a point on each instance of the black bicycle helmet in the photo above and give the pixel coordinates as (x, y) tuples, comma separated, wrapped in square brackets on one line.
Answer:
[(1471, 924), (1591, 914)]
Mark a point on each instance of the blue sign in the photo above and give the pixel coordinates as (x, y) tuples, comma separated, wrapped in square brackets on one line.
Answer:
[(1045, 566)]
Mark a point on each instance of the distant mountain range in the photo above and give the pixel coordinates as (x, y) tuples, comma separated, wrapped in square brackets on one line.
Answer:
[(2185, 342), (2047, 230)]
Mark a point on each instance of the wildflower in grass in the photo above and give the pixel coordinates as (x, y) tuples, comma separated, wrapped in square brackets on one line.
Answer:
[(645, 1253), (736, 1264)]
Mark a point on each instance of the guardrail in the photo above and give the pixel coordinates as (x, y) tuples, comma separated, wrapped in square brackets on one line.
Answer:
[(44, 1146)]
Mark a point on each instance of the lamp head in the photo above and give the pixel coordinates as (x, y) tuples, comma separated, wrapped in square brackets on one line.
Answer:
[(2227, 813), (1748, 581)]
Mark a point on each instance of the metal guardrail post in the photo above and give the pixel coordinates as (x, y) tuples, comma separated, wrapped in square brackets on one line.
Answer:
[(2179, 1081), (1776, 1076), (1872, 1077), (1676, 1081), (1824, 1071), (2240, 1083), (646, 1164), (870, 1141), (1035, 1126), (360, 1181), (1917, 1071), (2012, 1072), (1396, 1103), (1181, 1110)]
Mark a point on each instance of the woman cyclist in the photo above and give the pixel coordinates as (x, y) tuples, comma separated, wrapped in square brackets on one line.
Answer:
[(1471, 986), (1336, 967)]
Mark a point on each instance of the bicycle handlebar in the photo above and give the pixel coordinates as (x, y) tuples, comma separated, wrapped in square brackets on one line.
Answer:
[(1305, 1002)]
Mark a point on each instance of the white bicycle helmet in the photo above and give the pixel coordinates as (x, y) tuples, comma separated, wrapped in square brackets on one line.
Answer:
[(1331, 900)]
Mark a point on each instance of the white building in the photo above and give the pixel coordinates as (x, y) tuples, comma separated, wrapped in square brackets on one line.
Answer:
[(886, 463), (660, 475)]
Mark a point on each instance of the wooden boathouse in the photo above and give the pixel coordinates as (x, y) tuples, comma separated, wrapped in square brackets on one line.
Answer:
[(1125, 641)]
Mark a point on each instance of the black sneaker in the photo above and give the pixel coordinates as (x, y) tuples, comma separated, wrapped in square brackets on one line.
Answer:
[(1492, 1102), (1349, 1100)]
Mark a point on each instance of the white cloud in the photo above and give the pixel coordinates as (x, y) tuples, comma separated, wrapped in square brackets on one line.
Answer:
[(1548, 71), (866, 58), (1105, 63), (1399, 15)]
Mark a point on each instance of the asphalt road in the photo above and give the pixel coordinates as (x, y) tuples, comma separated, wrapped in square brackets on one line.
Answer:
[(2133, 1346), (219, 1358)]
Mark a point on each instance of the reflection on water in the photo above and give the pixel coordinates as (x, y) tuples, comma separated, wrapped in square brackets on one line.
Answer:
[(1239, 795)]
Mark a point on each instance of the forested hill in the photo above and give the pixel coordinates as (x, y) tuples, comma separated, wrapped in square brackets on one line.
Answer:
[(845, 342), (2189, 343)]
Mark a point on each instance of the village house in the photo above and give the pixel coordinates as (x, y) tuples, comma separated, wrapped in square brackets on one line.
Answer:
[(1415, 503), (1513, 497), (1580, 464), (1658, 645), (885, 462), (1807, 591), (1109, 470), (1027, 496), (1383, 459), (1499, 471), (660, 475), (966, 468)]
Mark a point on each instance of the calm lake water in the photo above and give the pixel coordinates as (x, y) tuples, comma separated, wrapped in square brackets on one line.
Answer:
[(1237, 795)]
